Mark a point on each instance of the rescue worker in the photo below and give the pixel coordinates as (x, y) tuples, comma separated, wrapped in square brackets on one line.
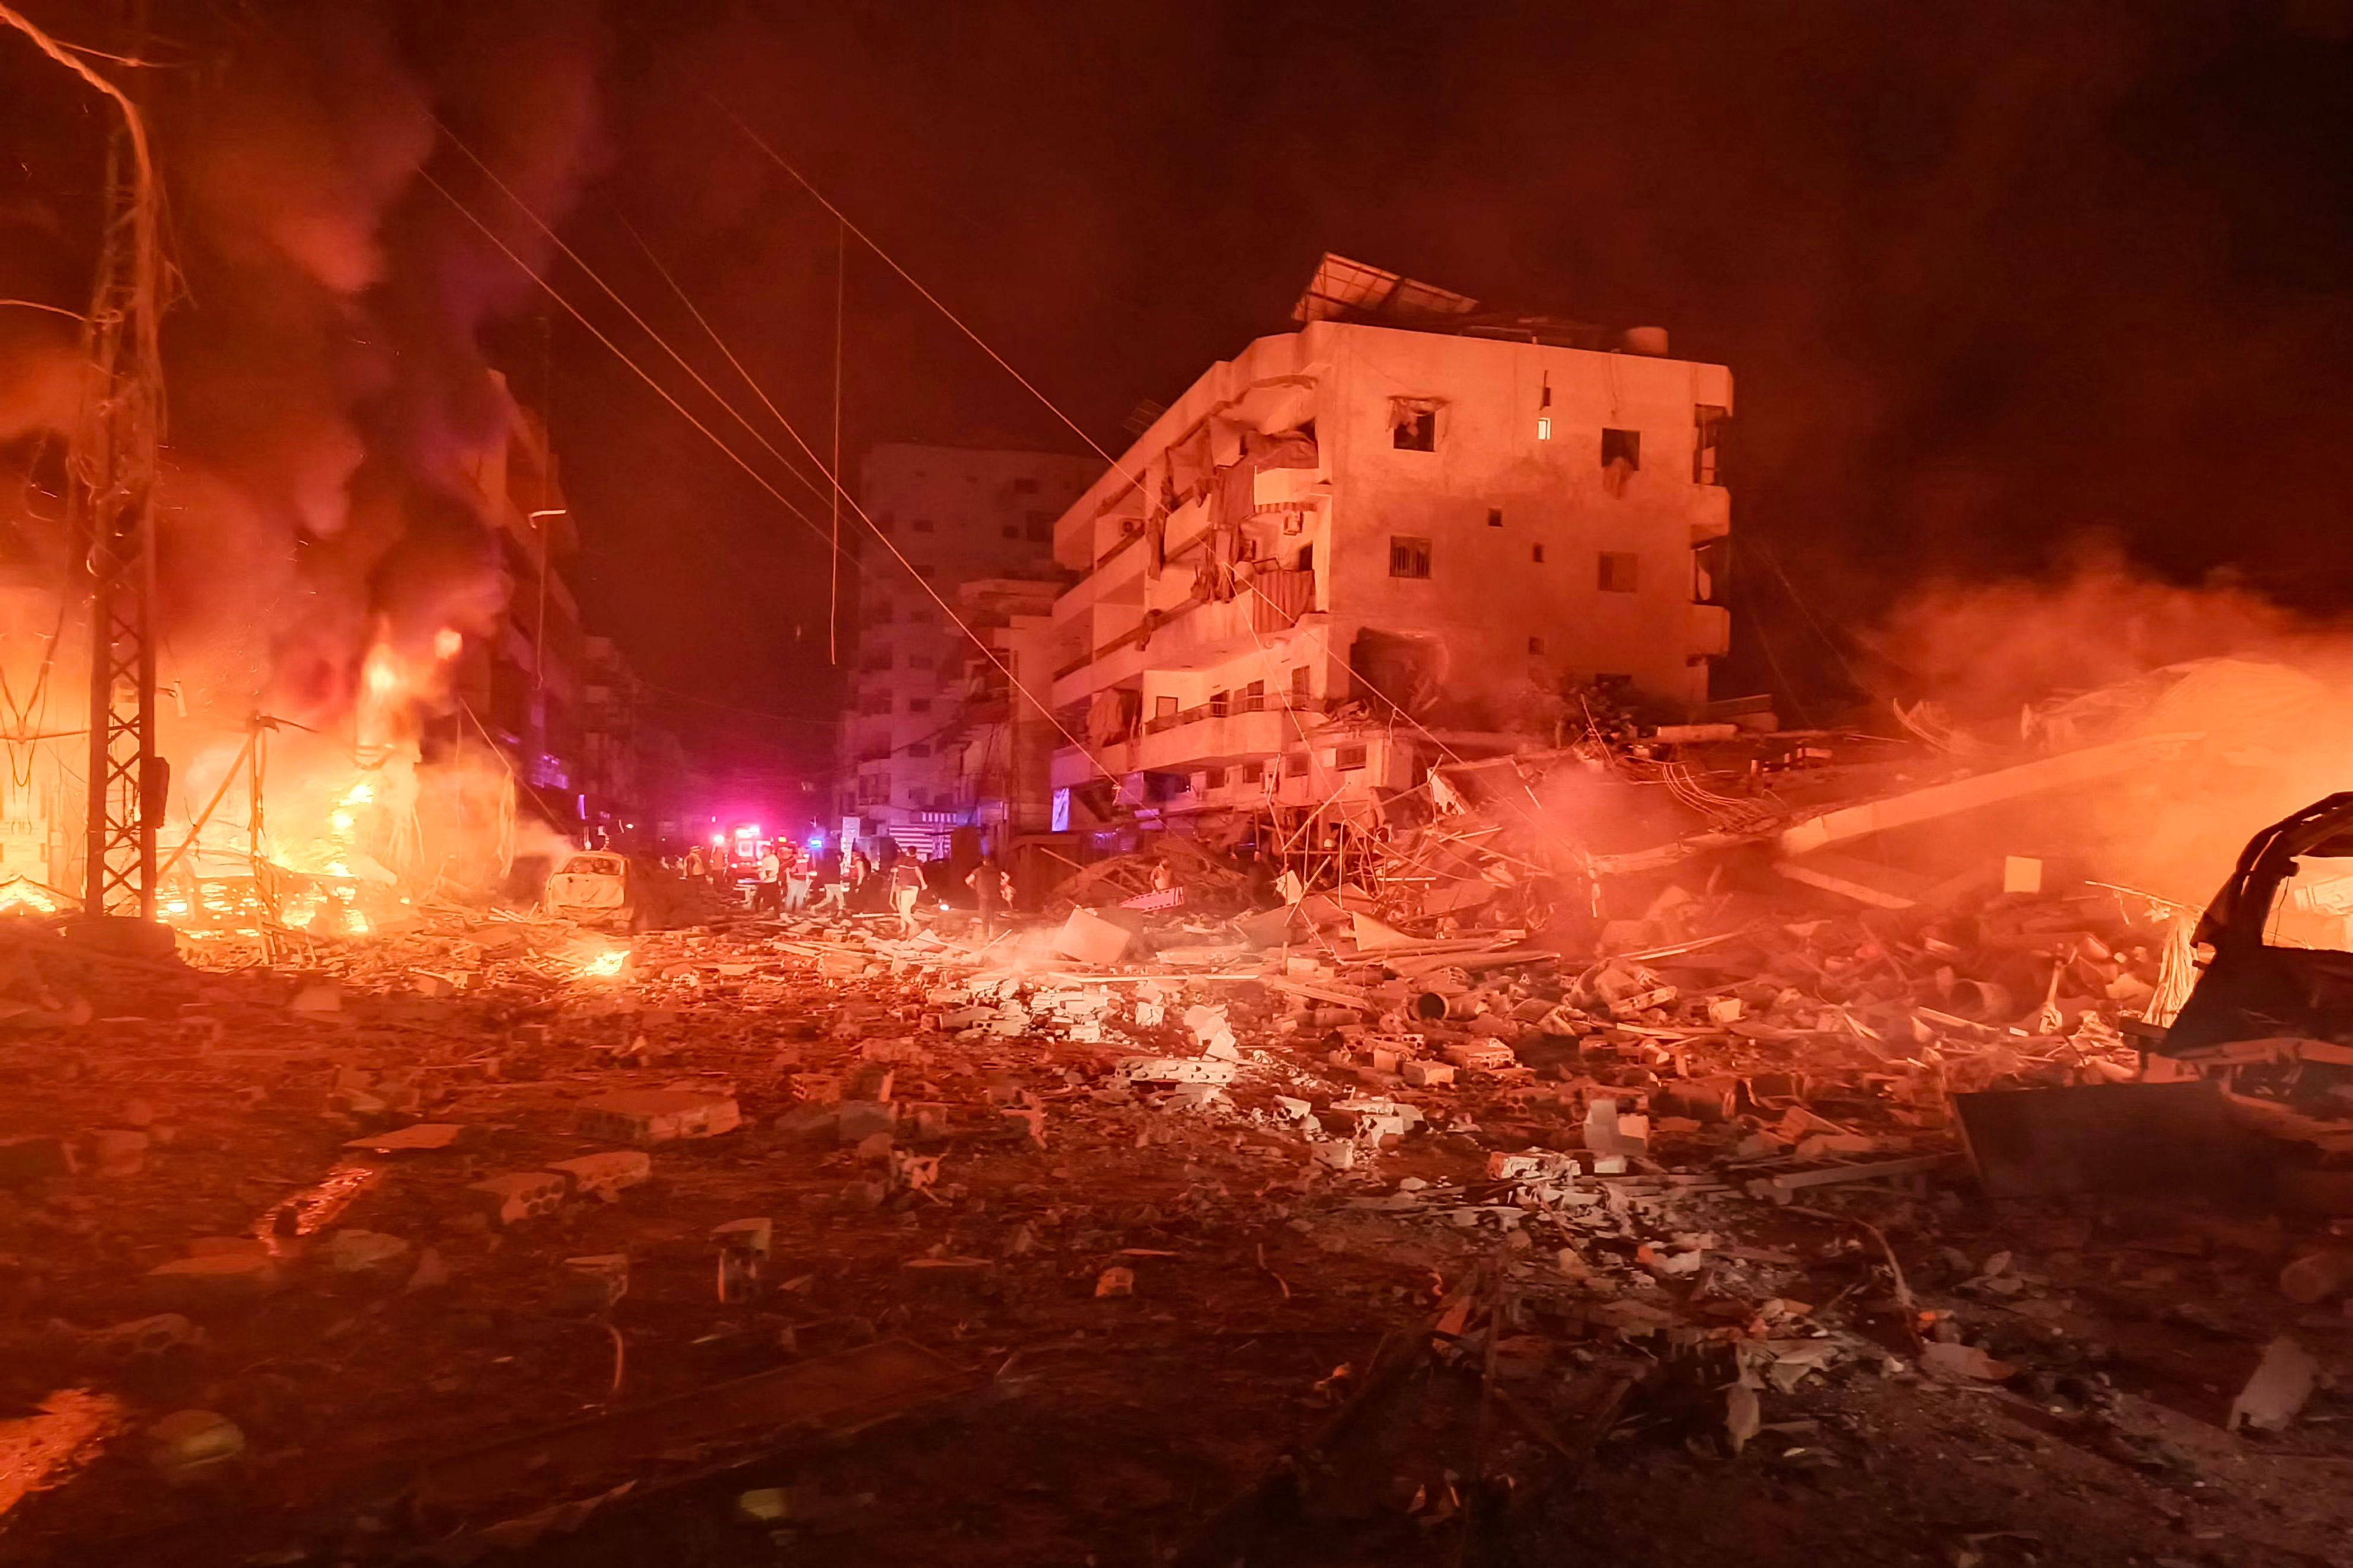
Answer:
[(694, 873), (988, 891), (768, 896), (906, 887), (796, 881)]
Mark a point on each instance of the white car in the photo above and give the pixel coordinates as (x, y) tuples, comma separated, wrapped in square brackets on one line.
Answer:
[(595, 887)]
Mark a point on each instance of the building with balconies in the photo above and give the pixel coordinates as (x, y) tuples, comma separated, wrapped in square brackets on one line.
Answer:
[(960, 516), (1407, 529)]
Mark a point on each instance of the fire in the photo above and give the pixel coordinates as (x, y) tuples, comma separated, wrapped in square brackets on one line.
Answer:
[(605, 965), (18, 893), (447, 642)]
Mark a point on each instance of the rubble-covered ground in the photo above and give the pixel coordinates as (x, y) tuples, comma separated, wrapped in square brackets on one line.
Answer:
[(1360, 1248)]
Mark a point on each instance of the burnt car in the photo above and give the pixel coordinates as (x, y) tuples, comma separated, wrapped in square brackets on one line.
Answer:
[(2278, 939), (594, 887)]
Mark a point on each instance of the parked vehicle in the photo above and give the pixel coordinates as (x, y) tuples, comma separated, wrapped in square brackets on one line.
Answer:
[(595, 886)]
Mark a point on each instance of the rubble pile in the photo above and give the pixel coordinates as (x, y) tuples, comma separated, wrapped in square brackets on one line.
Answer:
[(1399, 1209)]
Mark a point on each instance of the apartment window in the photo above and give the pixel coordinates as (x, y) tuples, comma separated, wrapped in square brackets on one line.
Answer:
[(918, 704), (1254, 773), (1543, 426), (1295, 765), (1025, 487), (1409, 557), (1623, 446), (1217, 704), (1254, 697), (1299, 679), (1535, 553), (1413, 424), (1621, 571), (1214, 779), (1708, 421), (922, 525), (1536, 645), (1347, 757), (1494, 517), (1163, 707)]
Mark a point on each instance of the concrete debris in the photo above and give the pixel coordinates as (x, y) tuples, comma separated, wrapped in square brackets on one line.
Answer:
[(649, 1116), (191, 1445), (2280, 1386)]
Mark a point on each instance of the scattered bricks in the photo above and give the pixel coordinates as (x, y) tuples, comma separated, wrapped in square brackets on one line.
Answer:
[(1174, 1069), (1482, 1055), (143, 1339), (874, 1149), (931, 1121), (872, 1083), (808, 1120), (1028, 1123), (1535, 1164), (965, 1019), (1704, 1101), (1297, 1109), (213, 1280), (592, 1284), (1116, 1280), (859, 1119), (193, 1444), (604, 1176), (118, 1151), (322, 996), (366, 1252), (1333, 1155), (1195, 1095), (914, 1173), (1725, 1009), (1610, 1133), (441, 987), (644, 1116), (24, 1161), (517, 1196), (1429, 1075)]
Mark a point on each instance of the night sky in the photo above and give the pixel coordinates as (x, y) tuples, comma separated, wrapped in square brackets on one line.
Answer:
[(1995, 280)]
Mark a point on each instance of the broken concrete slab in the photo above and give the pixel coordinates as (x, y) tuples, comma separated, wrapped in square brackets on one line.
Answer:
[(1088, 938), (191, 1445), (604, 1176), (649, 1116), (213, 1280), (2113, 1138), (421, 1136), (518, 1196), (2277, 1392)]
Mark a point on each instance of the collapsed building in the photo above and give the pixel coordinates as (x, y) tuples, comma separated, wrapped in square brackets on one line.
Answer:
[(1393, 536)]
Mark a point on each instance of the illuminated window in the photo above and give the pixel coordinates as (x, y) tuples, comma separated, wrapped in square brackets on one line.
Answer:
[(1543, 426), (1409, 557)]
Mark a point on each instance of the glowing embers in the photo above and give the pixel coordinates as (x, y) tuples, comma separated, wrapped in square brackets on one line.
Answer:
[(605, 965), (65, 1432), (21, 893), (314, 1207)]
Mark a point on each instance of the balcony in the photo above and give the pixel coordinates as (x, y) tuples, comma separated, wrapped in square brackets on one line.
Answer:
[(1279, 598), (1197, 738)]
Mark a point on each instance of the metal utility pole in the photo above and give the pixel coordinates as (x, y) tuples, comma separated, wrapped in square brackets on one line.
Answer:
[(113, 464)]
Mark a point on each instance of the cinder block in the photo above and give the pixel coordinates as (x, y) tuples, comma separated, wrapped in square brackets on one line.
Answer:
[(647, 1116), (605, 1175), (518, 1195)]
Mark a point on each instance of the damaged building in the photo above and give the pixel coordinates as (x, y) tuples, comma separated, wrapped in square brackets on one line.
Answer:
[(1408, 523)]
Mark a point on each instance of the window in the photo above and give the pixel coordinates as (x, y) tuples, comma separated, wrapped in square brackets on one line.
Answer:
[(1254, 773), (1348, 757), (922, 525), (1409, 557), (1025, 487), (1217, 704), (1254, 697), (1623, 446), (1494, 517), (1214, 779), (1299, 681), (1708, 420), (1536, 645), (1413, 424), (1543, 426), (1535, 553), (918, 704), (1621, 571), (1163, 707), (1295, 765)]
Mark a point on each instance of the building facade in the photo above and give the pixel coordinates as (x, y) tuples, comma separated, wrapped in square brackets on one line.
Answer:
[(960, 516), (1366, 543)]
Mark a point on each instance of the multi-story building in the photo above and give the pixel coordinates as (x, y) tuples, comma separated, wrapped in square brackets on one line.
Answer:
[(1002, 743), (1402, 531), (959, 516)]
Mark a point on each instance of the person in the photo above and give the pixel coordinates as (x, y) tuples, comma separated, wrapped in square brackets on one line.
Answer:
[(769, 894), (988, 891), (1164, 876), (1258, 880), (906, 887), (796, 882), (694, 873)]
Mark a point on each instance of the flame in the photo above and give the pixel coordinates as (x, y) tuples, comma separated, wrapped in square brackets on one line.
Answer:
[(605, 965), (19, 893), (447, 642)]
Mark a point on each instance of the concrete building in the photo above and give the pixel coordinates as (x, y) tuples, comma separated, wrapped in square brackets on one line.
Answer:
[(960, 516), (1003, 742), (1403, 525)]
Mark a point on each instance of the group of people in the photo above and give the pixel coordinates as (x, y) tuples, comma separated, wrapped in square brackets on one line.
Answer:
[(786, 882)]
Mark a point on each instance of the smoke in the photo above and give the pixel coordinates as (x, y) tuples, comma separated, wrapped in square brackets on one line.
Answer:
[(2247, 708)]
